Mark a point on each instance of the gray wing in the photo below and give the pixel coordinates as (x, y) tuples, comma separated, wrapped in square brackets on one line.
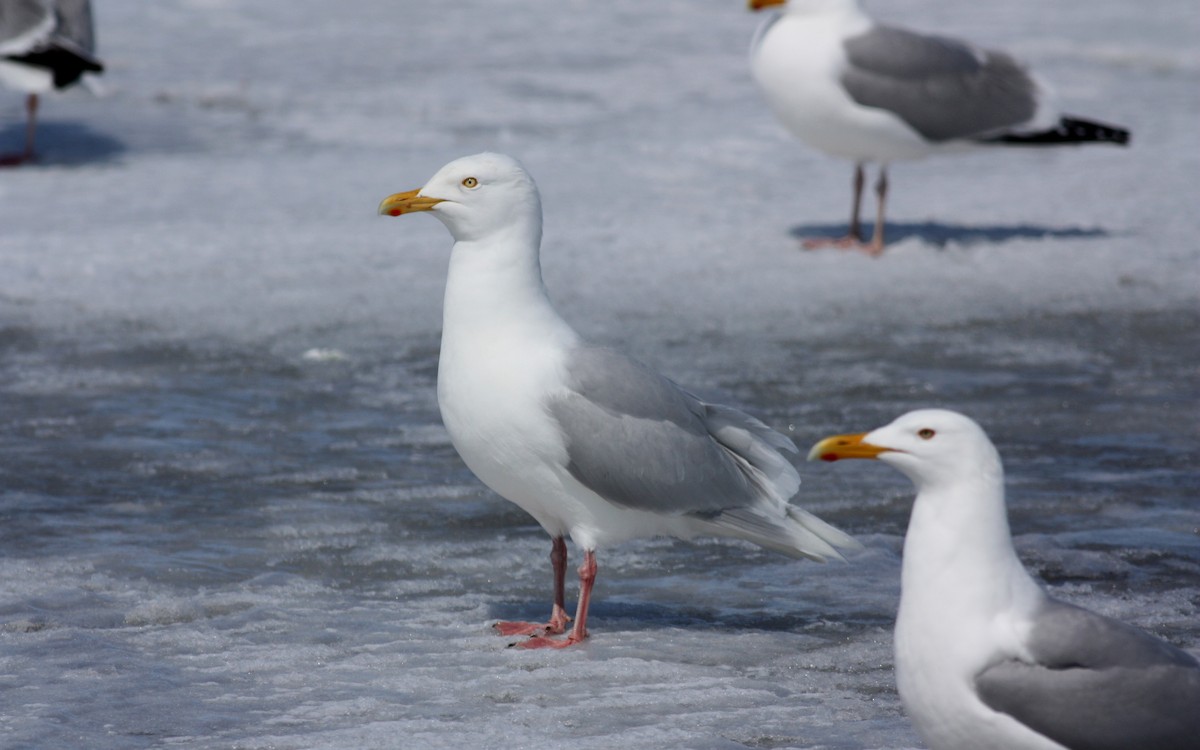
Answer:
[(57, 36), (941, 87), (24, 24), (640, 441), (1098, 684), (75, 30)]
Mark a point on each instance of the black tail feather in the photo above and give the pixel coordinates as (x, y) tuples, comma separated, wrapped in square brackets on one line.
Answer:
[(1068, 130), (66, 64)]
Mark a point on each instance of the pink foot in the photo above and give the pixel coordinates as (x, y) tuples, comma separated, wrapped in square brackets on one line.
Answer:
[(557, 625), (527, 628), (820, 243), (558, 616), (546, 642), (848, 242), (16, 160)]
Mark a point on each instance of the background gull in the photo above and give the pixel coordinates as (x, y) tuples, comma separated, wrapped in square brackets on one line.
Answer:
[(984, 657), (869, 92), (590, 442), (45, 45)]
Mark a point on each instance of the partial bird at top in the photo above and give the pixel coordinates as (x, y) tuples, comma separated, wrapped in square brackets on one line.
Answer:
[(589, 442), (44, 45), (984, 657), (865, 91)]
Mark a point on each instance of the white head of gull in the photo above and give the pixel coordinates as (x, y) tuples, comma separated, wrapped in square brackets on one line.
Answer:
[(984, 657), (591, 443), (869, 92)]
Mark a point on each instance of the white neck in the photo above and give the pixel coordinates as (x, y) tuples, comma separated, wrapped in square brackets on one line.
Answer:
[(494, 288), (848, 8), (958, 553)]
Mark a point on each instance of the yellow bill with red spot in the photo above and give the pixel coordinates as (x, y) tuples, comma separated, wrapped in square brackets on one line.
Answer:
[(837, 447), (407, 203)]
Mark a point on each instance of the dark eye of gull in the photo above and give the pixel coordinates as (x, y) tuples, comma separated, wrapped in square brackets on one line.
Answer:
[(926, 434)]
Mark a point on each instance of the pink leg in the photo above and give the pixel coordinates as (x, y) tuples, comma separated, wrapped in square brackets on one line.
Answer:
[(853, 239), (854, 235), (587, 578), (558, 614), (12, 160), (881, 188)]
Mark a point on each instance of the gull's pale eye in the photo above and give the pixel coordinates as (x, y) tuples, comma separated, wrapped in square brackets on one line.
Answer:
[(926, 434), (470, 182)]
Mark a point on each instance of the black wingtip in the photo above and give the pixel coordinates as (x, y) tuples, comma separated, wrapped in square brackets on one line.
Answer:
[(1069, 130)]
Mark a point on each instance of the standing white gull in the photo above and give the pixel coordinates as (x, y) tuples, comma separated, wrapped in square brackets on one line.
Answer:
[(854, 88), (589, 442), (44, 45), (984, 657)]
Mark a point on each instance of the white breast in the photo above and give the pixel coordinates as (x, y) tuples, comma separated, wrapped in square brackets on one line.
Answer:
[(962, 607), (492, 386), (798, 63)]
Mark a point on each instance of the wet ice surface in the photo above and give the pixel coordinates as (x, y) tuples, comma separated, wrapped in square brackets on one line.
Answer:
[(231, 517)]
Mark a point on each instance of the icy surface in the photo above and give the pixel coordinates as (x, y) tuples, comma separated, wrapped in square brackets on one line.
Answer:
[(231, 517)]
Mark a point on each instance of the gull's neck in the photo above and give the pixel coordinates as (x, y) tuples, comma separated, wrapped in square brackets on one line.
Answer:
[(965, 598), (959, 561), (846, 9), (494, 288)]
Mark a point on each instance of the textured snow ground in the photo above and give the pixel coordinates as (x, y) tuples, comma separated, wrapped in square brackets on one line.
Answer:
[(231, 517)]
